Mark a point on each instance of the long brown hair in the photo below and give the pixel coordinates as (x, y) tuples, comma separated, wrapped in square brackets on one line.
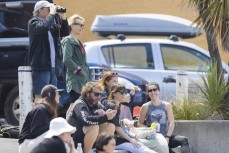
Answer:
[(51, 104), (116, 88)]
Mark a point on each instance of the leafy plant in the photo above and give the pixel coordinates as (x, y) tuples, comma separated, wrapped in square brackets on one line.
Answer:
[(189, 110), (213, 91)]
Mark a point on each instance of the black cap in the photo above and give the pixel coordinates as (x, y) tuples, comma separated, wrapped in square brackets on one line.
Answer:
[(49, 89)]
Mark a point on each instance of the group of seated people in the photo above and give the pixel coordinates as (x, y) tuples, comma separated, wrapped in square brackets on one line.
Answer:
[(101, 118)]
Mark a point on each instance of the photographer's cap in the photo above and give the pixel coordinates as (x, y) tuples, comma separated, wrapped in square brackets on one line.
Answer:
[(41, 4), (49, 89)]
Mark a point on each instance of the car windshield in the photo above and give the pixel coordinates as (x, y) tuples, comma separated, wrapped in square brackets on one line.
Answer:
[(14, 17)]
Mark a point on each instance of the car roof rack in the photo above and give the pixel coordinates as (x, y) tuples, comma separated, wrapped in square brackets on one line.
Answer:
[(144, 25), (121, 37)]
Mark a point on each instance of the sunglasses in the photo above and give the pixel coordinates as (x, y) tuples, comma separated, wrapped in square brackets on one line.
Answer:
[(81, 25), (152, 90), (97, 94), (122, 92)]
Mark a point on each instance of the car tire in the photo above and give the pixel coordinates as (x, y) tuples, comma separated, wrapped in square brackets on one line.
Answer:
[(11, 107)]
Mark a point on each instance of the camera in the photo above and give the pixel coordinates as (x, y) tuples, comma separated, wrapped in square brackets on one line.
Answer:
[(61, 10)]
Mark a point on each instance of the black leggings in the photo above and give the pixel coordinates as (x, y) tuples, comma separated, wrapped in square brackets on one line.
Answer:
[(178, 140)]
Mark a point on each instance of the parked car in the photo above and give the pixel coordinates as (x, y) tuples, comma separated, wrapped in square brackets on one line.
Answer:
[(14, 50), (155, 60)]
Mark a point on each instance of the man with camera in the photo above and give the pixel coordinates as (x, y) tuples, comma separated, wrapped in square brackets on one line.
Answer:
[(45, 29)]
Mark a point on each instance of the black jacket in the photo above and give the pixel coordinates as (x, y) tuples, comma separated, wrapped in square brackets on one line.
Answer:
[(36, 123), (51, 145), (39, 41)]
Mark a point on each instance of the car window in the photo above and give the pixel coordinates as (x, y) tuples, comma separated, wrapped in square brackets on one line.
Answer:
[(183, 58), (136, 56), (14, 19)]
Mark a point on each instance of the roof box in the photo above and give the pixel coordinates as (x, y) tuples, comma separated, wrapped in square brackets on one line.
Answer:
[(144, 25)]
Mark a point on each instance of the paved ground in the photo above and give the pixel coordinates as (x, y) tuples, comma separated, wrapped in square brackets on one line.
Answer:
[(8, 145)]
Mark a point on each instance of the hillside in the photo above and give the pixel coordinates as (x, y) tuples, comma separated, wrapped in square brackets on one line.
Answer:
[(90, 8)]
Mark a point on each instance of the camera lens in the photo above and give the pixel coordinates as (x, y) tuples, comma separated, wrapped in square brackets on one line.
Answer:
[(61, 10)]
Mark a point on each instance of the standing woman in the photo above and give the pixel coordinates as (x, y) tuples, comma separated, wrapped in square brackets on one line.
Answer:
[(38, 119), (74, 58)]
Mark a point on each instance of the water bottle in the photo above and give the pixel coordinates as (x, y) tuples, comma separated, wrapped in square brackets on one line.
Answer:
[(79, 148)]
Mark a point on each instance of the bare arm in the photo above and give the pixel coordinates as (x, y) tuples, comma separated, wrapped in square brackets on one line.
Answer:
[(142, 116), (170, 116), (120, 131)]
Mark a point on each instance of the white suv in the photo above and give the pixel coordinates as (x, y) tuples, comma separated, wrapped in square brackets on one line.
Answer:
[(155, 60)]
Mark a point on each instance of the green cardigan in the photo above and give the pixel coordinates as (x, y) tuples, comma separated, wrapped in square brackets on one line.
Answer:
[(74, 59)]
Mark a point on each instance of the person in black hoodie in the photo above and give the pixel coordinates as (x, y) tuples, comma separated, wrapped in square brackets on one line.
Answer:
[(86, 114), (45, 30), (38, 119), (58, 139)]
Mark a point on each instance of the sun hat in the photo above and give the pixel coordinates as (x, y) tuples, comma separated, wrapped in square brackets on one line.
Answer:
[(41, 4), (58, 126), (49, 89)]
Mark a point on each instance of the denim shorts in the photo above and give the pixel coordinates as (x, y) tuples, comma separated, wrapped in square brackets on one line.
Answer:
[(42, 78)]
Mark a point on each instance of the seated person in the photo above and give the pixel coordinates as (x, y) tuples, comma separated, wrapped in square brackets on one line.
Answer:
[(58, 138), (160, 112), (86, 115), (139, 133), (124, 142), (105, 143)]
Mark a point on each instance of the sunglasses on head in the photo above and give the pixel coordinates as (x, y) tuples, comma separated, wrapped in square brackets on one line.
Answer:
[(81, 25), (97, 94), (113, 74), (154, 89)]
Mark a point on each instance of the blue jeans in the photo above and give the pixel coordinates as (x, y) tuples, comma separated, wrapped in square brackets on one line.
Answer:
[(42, 78), (131, 148)]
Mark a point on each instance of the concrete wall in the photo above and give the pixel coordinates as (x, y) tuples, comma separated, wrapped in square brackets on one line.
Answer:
[(207, 136)]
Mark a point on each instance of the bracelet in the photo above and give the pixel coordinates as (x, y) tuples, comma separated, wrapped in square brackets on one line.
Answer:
[(167, 136)]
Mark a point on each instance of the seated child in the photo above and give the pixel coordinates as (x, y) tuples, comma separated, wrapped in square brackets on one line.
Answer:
[(139, 133)]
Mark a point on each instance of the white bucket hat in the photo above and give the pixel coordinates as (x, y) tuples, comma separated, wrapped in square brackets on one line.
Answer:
[(58, 126), (41, 4)]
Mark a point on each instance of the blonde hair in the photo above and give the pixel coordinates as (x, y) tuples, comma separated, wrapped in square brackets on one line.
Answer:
[(72, 19)]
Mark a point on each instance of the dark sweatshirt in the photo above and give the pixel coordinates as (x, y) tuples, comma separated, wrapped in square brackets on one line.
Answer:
[(36, 123)]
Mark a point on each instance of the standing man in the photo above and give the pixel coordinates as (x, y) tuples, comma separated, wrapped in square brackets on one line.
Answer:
[(45, 30), (87, 116)]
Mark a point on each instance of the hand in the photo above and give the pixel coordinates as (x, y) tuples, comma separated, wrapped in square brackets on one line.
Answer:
[(71, 145), (62, 16), (134, 88), (78, 71), (167, 139), (100, 112), (135, 143), (126, 98), (111, 114), (53, 9)]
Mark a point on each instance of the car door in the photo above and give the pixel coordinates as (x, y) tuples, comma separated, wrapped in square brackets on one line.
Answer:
[(135, 58), (179, 58)]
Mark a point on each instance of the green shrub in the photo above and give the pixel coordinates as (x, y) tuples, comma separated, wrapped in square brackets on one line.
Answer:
[(189, 110), (214, 91)]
